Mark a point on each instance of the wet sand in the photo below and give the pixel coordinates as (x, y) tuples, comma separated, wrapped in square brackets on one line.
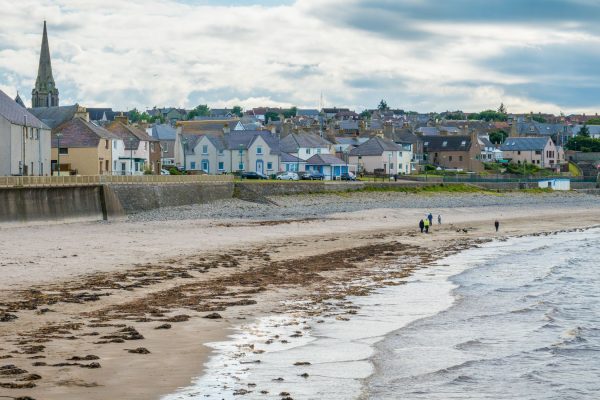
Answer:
[(99, 290)]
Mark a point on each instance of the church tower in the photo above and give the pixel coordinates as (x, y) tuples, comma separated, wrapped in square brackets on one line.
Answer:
[(45, 93)]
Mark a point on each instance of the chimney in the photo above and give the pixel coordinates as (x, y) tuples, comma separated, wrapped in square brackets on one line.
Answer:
[(122, 119), (226, 128), (82, 113), (388, 130)]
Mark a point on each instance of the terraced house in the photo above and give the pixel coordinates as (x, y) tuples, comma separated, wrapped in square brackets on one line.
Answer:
[(249, 151), (136, 152)]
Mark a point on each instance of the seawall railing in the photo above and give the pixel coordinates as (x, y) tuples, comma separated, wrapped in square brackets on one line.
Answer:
[(92, 180)]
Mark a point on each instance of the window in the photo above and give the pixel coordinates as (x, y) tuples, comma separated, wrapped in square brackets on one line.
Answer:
[(221, 166), (391, 166), (145, 145), (259, 150), (307, 151), (37, 133), (115, 165), (106, 144), (31, 137), (460, 158), (269, 166), (220, 152), (449, 158), (63, 150), (204, 149), (318, 151), (114, 145), (193, 165), (518, 152)]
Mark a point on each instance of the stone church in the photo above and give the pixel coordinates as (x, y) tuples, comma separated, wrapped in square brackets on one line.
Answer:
[(45, 93)]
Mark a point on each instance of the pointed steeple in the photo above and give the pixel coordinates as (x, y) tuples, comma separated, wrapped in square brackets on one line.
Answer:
[(45, 93)]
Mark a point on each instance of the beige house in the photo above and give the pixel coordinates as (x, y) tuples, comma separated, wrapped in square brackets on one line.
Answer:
[(84, 148), (540, 151), (381, 155)]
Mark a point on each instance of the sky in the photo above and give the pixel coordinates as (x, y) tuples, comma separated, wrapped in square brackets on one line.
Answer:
[(421, 55)]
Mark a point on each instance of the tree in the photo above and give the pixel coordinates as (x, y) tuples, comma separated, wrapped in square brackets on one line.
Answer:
[(498, 136), (583, 143), (383, 106), (237, 110), (200, 111), (455, 116), (539, 118), (502, 109), (271, 116), (593, 121), (584, 131), (134, 115), (290, 113), (489, 115), (366, 114)]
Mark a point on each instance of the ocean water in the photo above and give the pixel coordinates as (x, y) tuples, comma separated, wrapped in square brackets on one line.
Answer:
[(515, 319)]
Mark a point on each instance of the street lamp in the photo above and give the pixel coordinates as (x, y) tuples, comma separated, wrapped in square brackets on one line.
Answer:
[(58, 136), (390, 166), (184, 141), (241, 154), (130, 140)]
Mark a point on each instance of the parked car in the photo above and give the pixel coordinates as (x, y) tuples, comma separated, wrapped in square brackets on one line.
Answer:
[(253, 175), (288, 176), (348, 176), (313, 176), (164, 172)]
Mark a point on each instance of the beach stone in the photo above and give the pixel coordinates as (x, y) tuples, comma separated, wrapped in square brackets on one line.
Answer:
[(31, 377), (213, 316), (139, 350), (164, 326), (178, 318), (89, 357), (304, 375), (298, 363), (93, 365)]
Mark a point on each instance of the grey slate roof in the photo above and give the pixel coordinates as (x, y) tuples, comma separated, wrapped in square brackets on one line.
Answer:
[(96, 114), (289, 158), (536, 128), (14, 113), (324, 159), (80, 133), (446, 143), (428, 131), (291, 143), (164, 132), (594, 129), (233, 141), (55, 116), (375, 147), (524, 143), (349, 125), (307, 113)]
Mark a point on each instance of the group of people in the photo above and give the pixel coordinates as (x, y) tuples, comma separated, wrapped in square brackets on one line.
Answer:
[(427, 222)]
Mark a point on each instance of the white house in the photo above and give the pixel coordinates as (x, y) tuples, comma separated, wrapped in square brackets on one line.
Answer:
[(382, 155), (249, 151), (329, 165), (305, 146), (25, 142), (132, 150)]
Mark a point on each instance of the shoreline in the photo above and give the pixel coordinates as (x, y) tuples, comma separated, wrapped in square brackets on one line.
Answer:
[(149, 295)]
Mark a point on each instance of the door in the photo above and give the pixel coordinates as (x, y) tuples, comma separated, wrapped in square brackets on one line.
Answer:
[(260, 166), (205, 166)]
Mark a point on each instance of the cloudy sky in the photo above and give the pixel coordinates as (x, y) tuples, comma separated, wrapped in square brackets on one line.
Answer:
[(423, 55)]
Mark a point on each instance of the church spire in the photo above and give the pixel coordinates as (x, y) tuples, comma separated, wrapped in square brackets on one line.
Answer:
[(45, 93)]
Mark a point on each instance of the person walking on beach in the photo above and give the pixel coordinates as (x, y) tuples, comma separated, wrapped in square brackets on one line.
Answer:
[(439, 219), (426, 223), (421, 225), (430, 218), (497, 225)]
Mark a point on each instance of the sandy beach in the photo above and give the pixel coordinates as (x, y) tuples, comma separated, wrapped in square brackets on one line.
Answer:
[(118, 310)]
